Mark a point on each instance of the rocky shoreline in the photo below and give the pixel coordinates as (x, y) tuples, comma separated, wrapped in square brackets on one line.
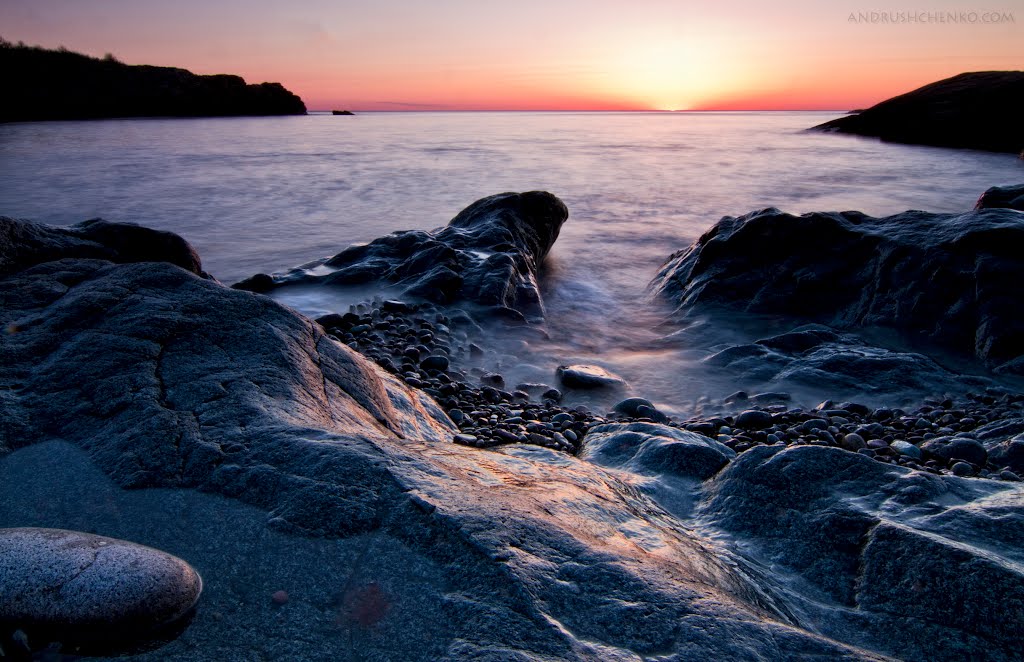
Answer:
[(397, 495), (438, 352)]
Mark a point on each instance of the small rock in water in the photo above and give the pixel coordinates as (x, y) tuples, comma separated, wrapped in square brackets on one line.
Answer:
[(279, 597), (587, 377), (629, 406)]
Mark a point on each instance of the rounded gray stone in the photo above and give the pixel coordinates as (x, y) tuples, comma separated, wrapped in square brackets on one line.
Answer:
[(753, 419), (588, 377), (55, 578)]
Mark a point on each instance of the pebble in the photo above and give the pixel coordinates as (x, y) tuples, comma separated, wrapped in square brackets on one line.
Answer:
[(962, 469), (753, 419)]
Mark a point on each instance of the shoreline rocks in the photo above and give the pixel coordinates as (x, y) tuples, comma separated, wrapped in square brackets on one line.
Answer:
[(972, 110), (488, 255), (159, 378), (946, 280)]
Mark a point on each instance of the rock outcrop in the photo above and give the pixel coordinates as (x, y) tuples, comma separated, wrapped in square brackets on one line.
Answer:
[(890, 559), (489, 254), (41, 84), (972, 110), (1002, 197), (947, 279), (24, 244)]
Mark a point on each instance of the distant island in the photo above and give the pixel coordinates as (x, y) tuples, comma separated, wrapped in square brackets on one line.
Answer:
[(979, 110), (41, 84)]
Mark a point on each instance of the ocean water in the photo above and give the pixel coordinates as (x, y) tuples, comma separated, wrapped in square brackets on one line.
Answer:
[(266, 194)]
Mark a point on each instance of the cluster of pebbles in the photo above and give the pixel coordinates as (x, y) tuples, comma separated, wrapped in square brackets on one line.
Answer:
[(423, 344), (940, 436), (433, 349)]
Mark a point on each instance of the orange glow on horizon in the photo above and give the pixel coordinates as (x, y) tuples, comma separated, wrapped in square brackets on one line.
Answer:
[(570, 55)]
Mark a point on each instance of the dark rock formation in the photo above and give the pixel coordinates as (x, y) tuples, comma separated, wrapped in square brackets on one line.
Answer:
[(24, 244), (948, 279), (1002, 197), (41, 84), (488, 254), (650, 449), (977, 110), (82, 589), (913, 565), (816, 357)]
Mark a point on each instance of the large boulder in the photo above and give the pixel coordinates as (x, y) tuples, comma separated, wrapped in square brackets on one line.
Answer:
[(914, 565), (976, 110), (23, 244), (948, 279), (489, 254), (83, 589)]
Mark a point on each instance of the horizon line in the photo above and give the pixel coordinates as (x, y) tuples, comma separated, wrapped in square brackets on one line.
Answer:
[(588, 110)]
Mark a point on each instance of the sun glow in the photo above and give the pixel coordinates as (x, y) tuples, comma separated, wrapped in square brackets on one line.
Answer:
[(669, 74)]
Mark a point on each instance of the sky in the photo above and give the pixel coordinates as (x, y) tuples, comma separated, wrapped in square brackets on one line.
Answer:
[(547, 54)]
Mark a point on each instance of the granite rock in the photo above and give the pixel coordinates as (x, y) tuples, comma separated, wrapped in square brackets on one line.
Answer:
[(946, 280), (74, 585), (489, 255)]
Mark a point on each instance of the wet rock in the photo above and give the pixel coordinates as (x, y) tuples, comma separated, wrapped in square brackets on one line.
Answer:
[(959, 448), (587, 377), (906, 449), (753, 419), (24, 244), (815, 356), (935, 587), (649, 448), (944, 278), (970, 110), (488, 254), (78, 588), (1009, 197), (630, 406), (1009, 453)]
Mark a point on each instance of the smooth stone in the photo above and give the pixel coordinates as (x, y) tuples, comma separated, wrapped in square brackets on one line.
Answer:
[(962, 469), (906, 449), (753, 419), (105, 588), (587, 377), (437, 363), (629, 406), (852, 442)]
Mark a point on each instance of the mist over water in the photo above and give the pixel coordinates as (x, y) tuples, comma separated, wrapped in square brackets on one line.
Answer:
[(267, 194)]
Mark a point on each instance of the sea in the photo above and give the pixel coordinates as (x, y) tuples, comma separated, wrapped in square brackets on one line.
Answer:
[(267, 194)]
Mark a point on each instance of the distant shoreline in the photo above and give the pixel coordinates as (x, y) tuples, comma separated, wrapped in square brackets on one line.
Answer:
[(56, 85)]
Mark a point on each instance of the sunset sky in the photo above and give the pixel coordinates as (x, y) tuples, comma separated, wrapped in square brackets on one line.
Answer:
[(545, 54)]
